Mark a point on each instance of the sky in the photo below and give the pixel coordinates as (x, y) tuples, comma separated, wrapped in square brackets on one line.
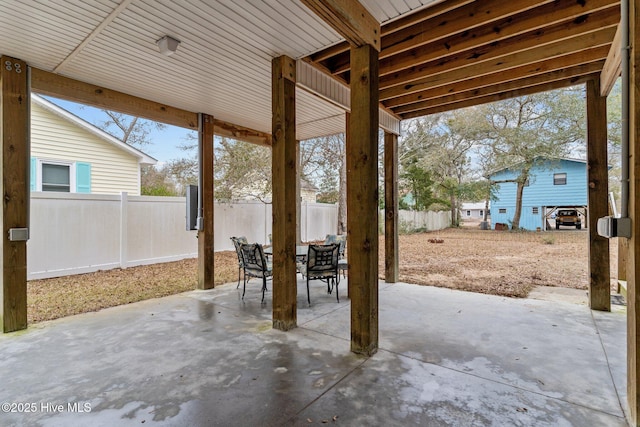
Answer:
[(164, 146)]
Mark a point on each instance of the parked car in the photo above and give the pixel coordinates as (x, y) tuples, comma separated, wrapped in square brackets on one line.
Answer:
[(568, 217)]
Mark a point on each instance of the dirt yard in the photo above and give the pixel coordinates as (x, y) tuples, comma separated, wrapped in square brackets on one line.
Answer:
[(493, 262), (496, 262)]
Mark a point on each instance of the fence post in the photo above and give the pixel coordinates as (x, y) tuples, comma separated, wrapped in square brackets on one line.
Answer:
[(306, 221), (124, 219)]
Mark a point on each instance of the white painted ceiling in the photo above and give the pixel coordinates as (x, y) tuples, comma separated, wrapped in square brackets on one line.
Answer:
[(222, 66)]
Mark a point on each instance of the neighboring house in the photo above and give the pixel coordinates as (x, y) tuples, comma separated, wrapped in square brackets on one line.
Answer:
[(473, 211), (553, 184), (308, 191), (71, 155)]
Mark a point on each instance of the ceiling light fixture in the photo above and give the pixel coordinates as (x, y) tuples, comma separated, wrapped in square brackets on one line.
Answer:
[(168, 45)]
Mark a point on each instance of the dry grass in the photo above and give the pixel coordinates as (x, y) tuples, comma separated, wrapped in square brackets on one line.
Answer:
[(499, 263), (63, 296), (494, 262)]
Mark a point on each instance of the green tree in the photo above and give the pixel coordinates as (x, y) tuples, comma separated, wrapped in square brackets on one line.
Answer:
[(437, 146), (418, 182), (156, 182)]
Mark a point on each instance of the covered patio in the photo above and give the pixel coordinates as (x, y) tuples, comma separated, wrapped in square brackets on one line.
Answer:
[(205, 358), (274, 73)]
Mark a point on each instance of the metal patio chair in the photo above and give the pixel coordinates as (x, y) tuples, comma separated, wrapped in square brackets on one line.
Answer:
[(237, 242), (255, 265), (322, 264)]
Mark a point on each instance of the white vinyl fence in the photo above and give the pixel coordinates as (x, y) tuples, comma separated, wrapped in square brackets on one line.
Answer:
[(409, 221), (81, 233)]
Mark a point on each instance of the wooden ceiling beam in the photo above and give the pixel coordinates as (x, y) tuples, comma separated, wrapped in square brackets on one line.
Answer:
[(443, 106), (447, 35), (533, 24), (613, 65), (69, 89), (576, 29), (459, 20), (241, 133), (593, 55), (350, 19), (73, 90), (440, 74), (568, 74), (393, 26)]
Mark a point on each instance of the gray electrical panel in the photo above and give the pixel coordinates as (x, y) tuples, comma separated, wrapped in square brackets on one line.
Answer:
[(192, 207)]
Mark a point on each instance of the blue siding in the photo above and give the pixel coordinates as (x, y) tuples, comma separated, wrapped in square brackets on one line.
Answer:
[(540, 192)]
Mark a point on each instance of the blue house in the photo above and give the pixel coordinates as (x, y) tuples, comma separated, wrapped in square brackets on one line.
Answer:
[(553, 184)]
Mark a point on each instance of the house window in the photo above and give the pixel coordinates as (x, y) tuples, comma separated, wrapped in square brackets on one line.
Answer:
[(559, 179), (481, 213), (534, 211), (56, 177), (468, 213), (61, 176), (502, 210)]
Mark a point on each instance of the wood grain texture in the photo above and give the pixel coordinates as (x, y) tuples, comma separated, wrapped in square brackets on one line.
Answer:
[(455, 48), (15, 102), (284, 172), (633, 260), (350, 19), (391, 261), (598, 197), (206, 235), (458, 67), (362, 200), (522, 73), (613, 65)]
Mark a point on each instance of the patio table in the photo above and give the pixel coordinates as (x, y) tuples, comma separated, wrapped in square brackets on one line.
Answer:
[(301, 252)]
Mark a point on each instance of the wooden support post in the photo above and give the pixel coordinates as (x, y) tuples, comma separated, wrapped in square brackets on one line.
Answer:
[(623, 254), (598, 197), (347, 143), (15, 99), (362, 199), (284, 193), (633, 260), (391, 272), (205, 236)]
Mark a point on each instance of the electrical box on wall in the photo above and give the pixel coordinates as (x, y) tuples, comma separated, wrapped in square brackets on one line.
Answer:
[(614, 227), (192, 207), (18, 234)]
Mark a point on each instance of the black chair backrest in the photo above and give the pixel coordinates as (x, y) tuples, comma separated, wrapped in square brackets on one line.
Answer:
[(342, 241), (237, 242), (322, 258), (253, 256)]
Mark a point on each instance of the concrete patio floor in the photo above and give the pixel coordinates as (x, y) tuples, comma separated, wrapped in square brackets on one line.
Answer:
[(206, 358)]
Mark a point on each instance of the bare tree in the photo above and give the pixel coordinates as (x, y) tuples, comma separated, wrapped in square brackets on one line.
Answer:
[(129, 129), (323, 162)]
